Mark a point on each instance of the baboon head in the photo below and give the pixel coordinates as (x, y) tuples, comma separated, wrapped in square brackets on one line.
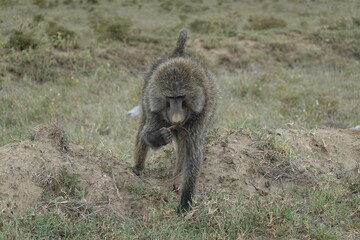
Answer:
[(177, 91)]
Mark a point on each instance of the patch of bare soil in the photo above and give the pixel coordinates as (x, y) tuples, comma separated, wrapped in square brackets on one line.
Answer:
[(27, 169), (235, 164)]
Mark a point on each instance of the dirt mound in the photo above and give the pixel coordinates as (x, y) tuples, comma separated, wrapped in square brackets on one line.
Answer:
[(235, 163), (28, 168)]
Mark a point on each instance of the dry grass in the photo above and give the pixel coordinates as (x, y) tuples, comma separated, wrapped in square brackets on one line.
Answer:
[(74, 63)]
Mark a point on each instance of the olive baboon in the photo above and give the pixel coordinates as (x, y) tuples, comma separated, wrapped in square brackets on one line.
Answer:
[(179, 100)]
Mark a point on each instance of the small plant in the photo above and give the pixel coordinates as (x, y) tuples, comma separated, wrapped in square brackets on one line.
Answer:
[(130, 3), (341, 24), (345, 43), (112, 28), (277, 162), (263, 23), (135, 188), (224, 27), (20, 41), (54, 30), (38, 18), (169, 5), (62, 184), (46, 3), (60, 36), (356, 21), (38, 65)]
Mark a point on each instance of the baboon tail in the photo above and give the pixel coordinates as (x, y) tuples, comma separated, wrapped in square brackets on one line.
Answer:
[(180, 44)]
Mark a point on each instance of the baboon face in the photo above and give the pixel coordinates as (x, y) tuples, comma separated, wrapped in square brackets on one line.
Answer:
[(176, 93), (178, 109)]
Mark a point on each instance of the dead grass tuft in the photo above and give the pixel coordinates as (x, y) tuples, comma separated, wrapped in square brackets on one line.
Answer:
[(52, 132), (277, 162), (264, 22)]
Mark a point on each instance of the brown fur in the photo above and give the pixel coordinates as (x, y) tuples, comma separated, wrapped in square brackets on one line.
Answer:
[(177, 86)]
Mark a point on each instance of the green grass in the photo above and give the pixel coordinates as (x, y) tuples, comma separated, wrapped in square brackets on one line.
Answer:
[(324, 210), (79, 64)]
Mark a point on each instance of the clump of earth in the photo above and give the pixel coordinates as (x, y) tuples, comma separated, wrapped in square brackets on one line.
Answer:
[(235, 163)]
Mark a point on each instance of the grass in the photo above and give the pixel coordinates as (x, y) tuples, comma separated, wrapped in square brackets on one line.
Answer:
[(321, 211), (79, 64)]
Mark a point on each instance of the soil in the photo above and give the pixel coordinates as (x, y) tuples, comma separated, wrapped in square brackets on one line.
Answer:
[(234, 163)]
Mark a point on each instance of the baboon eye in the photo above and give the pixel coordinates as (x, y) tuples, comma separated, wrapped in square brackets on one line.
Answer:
[(183, 103), (167, 104)]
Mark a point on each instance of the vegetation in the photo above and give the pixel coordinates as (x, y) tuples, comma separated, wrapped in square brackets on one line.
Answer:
[(79, 64), (324, 210)]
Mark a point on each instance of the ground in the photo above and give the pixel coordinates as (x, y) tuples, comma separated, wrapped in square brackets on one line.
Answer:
[(234, 163)]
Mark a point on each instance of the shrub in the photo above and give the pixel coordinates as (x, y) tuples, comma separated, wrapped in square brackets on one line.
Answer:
[(112, 28), (53, 30), (38, 18), (263, 22), (61, 37), (46, 3), (20, 41), (39, 65), (227, 28)]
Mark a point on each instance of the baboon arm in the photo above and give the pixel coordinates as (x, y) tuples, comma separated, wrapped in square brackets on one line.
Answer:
[(155, 134)]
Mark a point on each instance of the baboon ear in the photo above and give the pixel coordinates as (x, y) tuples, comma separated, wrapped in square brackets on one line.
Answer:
[(198, 102)]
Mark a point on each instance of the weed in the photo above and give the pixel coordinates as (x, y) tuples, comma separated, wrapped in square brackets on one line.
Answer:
[(252, 89), (277, 163), (191, 9), (60, 36), (53, 132), (53, 30), (307, 105), (212, 136), (20, 41), (46, 3), (353, 183), (7, 3), (112, 28), (356, 21), (38, 65), (263, 22), (168, 5), (344, 43), (290, 55), (38, 18), (135, 188), (62, 184), (93, 1), (77, 62), (304, 25), (223, 27), (130, 3)]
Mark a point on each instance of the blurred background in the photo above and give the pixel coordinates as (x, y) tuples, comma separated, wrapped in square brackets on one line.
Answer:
[(80, 63)]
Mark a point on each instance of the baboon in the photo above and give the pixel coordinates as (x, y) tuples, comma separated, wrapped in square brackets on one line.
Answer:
[(178, 101)]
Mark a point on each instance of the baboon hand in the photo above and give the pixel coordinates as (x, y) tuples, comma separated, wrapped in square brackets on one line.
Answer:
[(159, 138), (165, 136)]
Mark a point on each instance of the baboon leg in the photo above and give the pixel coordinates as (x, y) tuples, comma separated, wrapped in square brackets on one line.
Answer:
[(141, 149), (190, 171)]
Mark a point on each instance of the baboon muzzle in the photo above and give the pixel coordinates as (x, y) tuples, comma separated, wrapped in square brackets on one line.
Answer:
[(176, 113)]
